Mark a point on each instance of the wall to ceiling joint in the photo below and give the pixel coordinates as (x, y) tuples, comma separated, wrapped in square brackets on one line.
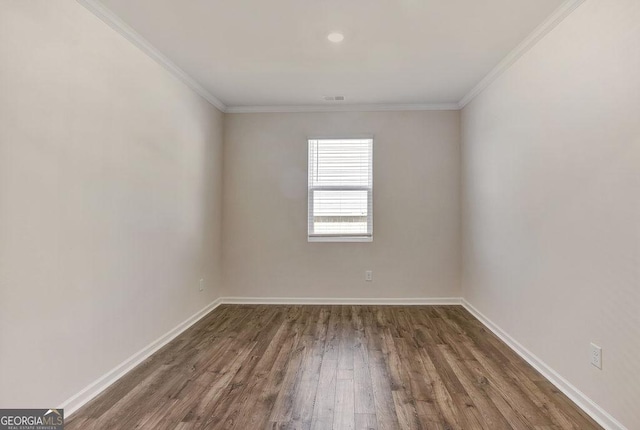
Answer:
[(551, 173)]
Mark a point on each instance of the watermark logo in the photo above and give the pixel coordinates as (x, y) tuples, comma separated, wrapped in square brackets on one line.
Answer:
[(31, 419)]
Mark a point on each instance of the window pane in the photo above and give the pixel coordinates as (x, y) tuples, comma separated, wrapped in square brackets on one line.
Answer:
[(340, 190), (341, 212)]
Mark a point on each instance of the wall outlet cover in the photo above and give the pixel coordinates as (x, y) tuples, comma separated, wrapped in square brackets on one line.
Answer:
[(596, 356)]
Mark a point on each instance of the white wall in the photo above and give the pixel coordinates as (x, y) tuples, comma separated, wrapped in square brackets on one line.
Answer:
[(416, 248), (552, 205), (110, 188)]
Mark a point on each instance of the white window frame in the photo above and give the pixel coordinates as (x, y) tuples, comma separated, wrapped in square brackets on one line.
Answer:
[(366, 237)]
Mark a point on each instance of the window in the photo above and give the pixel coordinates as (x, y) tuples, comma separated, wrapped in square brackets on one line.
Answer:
[(340, 190)]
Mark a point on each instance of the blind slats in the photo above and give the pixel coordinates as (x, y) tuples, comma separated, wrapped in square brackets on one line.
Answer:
[(340, 188)]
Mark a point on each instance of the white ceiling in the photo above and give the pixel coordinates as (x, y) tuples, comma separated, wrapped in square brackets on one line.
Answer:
[(276, 52)]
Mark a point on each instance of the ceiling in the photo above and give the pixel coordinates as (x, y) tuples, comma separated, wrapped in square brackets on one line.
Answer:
[(250, 53)]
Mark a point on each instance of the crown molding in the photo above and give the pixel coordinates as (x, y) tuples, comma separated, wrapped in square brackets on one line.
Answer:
[(342, 108), (563, 11), (111, 19)]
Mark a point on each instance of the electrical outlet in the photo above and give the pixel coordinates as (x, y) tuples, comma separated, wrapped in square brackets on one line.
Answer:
[(596, 356), (368, 276), (201, 284)]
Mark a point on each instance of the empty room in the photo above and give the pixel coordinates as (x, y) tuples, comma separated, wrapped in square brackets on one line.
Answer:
[(330, 214)]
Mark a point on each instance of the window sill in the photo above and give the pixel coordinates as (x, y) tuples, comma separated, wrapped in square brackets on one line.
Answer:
[(340, 238)]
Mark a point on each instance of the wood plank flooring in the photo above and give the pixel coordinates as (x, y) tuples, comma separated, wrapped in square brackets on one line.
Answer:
[(333, 367)]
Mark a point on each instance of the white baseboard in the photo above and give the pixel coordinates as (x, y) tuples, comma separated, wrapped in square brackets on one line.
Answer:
[(578, 397), (589, 406), (338, 301), (78, 400), (75, 402)]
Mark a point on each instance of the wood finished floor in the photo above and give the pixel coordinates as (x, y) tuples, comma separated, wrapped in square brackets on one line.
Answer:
[(333, 367)]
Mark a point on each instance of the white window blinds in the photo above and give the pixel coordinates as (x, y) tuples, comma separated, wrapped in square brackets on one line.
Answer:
[(340, 190)]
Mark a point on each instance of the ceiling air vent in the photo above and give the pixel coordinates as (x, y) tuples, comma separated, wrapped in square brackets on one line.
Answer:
[(333, 98)]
